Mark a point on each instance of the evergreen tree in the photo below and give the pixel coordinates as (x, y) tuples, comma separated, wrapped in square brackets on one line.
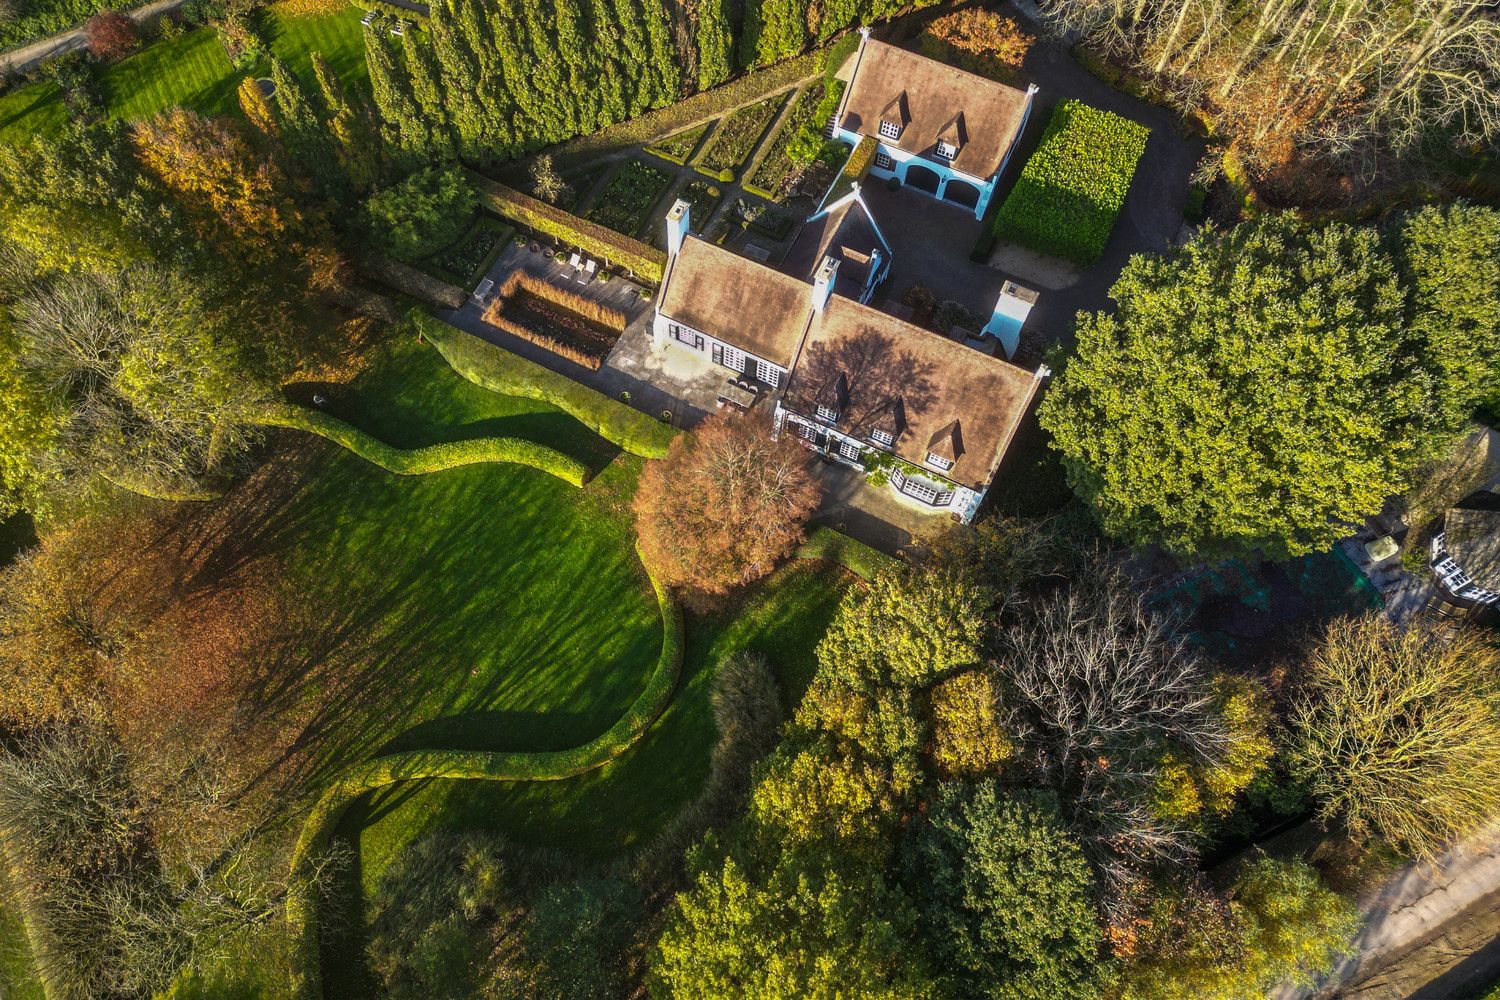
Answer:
[(303, 131), (774, 29), (257, 108), (714, 40), (402, 127), (431, 96), (662, 64), (349, 123)]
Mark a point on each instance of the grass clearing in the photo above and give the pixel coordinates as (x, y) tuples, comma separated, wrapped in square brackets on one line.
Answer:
[(194, 72), (1070, 193)]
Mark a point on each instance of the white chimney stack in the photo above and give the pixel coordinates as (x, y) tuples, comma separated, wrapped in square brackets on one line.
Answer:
[(828, 273), (677, 226), (1011, 310)]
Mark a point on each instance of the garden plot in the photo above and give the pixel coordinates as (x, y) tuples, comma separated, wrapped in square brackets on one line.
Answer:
[(737, 137), (680, 148), (1069, 195), (629, 196), (559, 319)]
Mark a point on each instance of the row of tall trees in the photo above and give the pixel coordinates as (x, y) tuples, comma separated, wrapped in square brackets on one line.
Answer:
[(487, 81), (1330, 76)]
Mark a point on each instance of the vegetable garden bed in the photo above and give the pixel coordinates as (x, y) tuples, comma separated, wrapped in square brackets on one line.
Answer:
[(680, 148), (629, 196), (1070, 193), (736, 138), (465, 260), (804, 132)]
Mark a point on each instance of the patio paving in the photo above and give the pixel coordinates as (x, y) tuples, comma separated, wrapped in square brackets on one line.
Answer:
[(875, 515)]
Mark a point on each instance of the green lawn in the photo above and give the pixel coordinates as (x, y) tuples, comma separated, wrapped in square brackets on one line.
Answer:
[(492, 607), (193, 71)]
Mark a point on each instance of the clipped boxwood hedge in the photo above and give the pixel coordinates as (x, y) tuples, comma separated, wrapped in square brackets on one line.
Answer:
[(646, 261), (1069, 195), (420, 461), (825, 543), (856, 169), (499, 370), (553, 765)]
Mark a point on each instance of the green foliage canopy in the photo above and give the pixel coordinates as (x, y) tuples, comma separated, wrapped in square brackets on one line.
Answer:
[(422, 214), (1249, 393)]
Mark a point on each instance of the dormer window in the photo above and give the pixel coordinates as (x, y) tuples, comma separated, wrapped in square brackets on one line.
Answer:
[(882, 437), (828, 414), (939, 462), (890, 129), (947, 150)]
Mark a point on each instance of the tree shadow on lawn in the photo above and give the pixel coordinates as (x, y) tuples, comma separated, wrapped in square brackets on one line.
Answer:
[(489, 595)]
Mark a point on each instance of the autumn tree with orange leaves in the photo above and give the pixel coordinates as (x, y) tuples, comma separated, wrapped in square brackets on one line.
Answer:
[(726, 503), (233, 194)]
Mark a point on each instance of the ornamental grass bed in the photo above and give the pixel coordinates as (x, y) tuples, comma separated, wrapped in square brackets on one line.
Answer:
[(558, 319)]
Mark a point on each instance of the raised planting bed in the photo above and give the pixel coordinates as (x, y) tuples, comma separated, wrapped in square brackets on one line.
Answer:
[(736, 138), (703, 196), (680, 148), (629, 196), (559, 319), (798, 143), (475, 251), (1068, 197)]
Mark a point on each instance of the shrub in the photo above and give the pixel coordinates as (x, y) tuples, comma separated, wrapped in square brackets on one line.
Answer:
[(980, 41), (856, 168), (855, 556), (407, 279), (420, 461), (314, 8), (596, 240), (110, 35), (967, 738), (426, 212), (498, 370), (1068, 196)]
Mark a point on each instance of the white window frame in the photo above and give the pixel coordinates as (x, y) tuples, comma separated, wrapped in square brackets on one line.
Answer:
[(734, 359), (850, 449), (686, 336), (890, 129), (947, 150), (768, 373), (827, 414), (939, 462), (884, 160), (882, 437)]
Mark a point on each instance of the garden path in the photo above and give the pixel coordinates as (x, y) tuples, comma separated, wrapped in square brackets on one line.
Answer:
[(21, 59)]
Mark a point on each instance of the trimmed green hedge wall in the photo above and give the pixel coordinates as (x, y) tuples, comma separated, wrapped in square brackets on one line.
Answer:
[(468, 764), (858, 558), (1070, 193), (499, 370), (405, 278), (646, 261), (420, 461)]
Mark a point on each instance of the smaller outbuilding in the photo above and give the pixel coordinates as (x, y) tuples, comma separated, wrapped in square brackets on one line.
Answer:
[(1466, 552)]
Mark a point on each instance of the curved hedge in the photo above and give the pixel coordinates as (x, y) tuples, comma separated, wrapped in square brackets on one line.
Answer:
[(499, 370), (419, 461), (469, 764)]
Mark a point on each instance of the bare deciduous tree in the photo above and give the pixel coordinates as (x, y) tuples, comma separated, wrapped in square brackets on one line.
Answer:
[(1100, 690), (1396, 731)]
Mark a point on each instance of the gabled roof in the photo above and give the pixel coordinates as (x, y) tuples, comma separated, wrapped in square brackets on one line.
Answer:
[(845, 231), (950, 398), (1471, 534), (935, 95), (754, 307)]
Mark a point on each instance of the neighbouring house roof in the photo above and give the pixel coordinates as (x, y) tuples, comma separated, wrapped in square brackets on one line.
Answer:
[(846, 232), (937, 100), (1471, 534), (941, 396), (754, 307)]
